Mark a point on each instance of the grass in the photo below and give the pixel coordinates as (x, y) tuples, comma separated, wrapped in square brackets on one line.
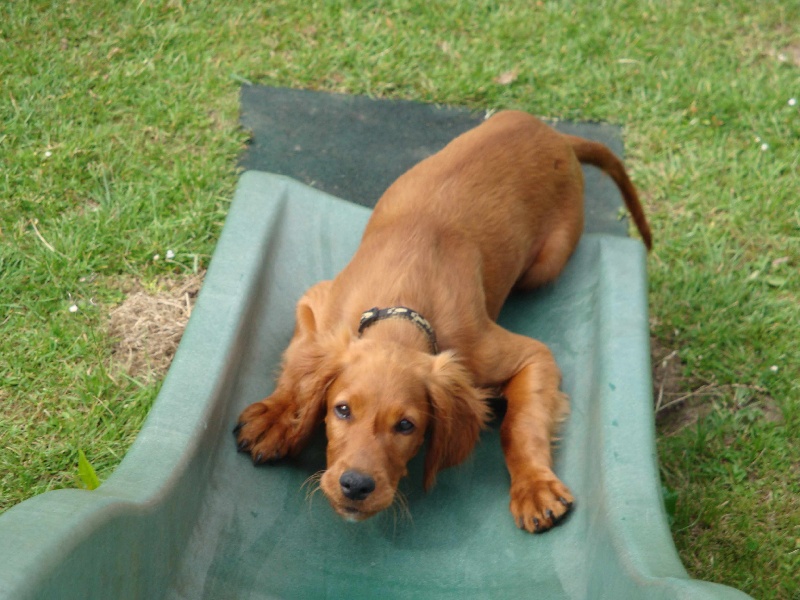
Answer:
[(119, 141)]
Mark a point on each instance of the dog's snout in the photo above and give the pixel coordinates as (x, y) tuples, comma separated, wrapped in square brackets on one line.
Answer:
[(355, 485)]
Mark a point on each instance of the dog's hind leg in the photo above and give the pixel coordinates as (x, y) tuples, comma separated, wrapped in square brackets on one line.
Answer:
[(536, 407), (558, 246), (550, 260)]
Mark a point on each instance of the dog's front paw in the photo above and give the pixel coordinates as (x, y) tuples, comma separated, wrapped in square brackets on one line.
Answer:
[(539, 501), (265, 430)]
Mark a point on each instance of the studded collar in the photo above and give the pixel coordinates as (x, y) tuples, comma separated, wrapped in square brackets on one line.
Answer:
[(376, 314)]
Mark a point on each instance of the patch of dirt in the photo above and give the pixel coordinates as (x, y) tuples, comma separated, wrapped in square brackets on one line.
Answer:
[(681, 401), (677, 402), (790, 53), (149, 323)]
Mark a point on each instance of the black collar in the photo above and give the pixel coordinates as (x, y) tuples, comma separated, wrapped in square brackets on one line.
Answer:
[(399, 312)]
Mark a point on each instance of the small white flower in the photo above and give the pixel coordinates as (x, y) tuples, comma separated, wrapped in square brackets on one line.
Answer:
[(774, 368), (764, 147), (156, 256), (170, 254), (792, 101), (73, 308), (48, 154)]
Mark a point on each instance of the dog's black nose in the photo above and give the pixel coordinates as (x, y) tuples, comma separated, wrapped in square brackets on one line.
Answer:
[(355, 485)]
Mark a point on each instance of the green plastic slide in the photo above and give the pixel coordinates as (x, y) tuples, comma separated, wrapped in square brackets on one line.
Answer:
[(185, 516)]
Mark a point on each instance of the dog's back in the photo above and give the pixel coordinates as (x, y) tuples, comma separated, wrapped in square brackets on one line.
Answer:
[(505, 187), (514, 187)]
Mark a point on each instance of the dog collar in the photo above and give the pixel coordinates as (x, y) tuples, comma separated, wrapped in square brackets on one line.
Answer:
[(399, 312)]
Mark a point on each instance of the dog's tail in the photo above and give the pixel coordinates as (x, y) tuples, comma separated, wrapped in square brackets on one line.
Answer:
[(595, 153)]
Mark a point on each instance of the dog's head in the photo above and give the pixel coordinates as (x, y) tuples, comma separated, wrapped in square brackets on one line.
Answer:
[(381, 402)]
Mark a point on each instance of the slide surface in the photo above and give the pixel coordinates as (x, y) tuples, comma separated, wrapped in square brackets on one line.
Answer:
[(185, 516)]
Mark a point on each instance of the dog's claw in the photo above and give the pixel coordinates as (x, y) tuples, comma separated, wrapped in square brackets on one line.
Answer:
[(238, 428), (258, 458), (540, 502), (243, 446)]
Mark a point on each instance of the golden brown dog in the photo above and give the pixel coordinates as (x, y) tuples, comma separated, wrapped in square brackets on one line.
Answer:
[(500, 207)]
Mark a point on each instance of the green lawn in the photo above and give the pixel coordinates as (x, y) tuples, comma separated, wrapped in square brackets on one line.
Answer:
[(119, 139)]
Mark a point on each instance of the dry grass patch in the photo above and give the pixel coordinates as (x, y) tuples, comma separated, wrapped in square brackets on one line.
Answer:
[(147, 327)]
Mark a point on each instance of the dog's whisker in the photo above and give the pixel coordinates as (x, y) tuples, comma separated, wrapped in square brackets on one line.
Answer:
[(400, 509), (313, 479), (312, 485)]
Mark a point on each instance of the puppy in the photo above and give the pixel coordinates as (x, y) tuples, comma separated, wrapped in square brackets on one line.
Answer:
[(404, 343)]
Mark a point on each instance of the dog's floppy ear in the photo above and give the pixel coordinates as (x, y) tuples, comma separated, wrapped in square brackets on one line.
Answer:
[(310, 309), (459, 413), (310, 364)]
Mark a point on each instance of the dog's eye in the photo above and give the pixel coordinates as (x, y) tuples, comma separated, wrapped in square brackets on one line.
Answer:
[(404, 426), (342, 410)]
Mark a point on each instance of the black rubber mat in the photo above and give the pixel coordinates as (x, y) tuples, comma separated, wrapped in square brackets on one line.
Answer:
[(354, 147)]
